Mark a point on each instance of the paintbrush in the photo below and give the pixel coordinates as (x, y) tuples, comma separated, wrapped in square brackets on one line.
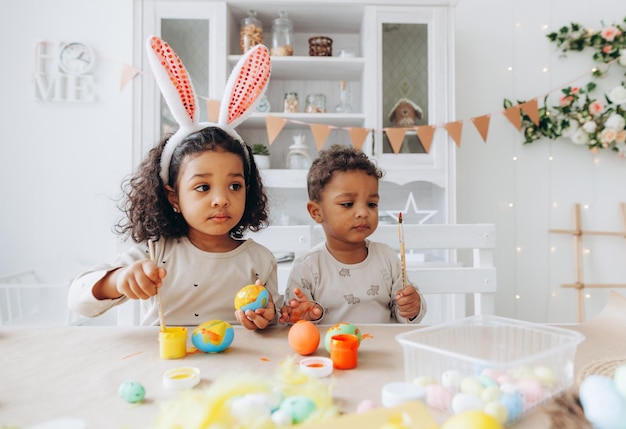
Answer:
[(158, 294), (402, 253)]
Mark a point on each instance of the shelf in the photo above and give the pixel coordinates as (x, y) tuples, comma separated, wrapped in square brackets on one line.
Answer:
[(257, 120), (284, 178), (313, 68)]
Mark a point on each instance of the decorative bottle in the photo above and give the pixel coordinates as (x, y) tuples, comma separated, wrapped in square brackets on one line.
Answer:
[(251, 33), (298, 156), (282, 36), (344, 105)]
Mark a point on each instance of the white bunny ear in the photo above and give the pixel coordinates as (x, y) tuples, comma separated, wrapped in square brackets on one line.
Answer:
[(245, 86), (173, 80)]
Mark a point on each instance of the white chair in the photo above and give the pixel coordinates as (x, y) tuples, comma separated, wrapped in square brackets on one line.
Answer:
[(448, 263), (26, 301)]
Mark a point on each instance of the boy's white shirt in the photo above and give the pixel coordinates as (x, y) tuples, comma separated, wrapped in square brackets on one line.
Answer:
[(355, 293)]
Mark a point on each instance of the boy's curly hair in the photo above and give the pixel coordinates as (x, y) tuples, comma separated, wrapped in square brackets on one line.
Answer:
[(337, 158), (149, 215)]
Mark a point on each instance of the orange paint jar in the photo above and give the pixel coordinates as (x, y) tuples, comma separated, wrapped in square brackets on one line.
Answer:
[(344, 349)]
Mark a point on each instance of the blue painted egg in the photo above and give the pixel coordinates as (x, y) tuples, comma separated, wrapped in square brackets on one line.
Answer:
[(298, 407), (213, 336), (602, 403)]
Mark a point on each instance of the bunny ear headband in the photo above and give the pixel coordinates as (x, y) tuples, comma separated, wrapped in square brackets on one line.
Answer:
[(243, 91)]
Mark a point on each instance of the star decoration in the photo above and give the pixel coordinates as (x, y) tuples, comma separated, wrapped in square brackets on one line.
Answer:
[(410, 202)]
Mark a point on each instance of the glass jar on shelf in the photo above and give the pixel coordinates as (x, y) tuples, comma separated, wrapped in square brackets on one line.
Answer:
[(298, 156), (291, 102), (282, 36), (251, 32), (315, 103), (344, 105)]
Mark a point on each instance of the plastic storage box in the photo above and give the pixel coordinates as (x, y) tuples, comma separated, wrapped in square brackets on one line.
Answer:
[(523, 364)]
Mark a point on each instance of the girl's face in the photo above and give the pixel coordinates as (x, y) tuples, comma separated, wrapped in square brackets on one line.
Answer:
[(348, 210), (210, 194)]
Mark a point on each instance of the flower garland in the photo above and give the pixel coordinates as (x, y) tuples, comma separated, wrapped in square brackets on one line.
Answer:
[(595, 122)]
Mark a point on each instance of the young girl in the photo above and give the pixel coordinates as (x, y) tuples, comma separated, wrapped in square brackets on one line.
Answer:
[(194, 196)]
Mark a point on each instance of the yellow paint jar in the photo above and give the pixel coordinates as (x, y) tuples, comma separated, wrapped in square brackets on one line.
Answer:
[(173, 342)]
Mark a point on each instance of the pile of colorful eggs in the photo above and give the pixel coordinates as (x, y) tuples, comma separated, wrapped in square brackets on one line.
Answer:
[(505, 395)]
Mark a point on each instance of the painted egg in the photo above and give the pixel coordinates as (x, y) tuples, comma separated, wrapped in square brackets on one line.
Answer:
[(304, 337), (341, 328), (472, 419), (251, 297), (497, 410), (451, 379), (465, 402), (438, 397), (298, 407), (532, 391), (602, 403), (514, 404), (213, 336), (132, 391)]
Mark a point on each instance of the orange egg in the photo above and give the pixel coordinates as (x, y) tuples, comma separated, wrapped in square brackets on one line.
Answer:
[(304, 337)]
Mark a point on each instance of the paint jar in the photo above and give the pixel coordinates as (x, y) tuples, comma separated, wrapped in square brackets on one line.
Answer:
[(173, 342), (344, 349)]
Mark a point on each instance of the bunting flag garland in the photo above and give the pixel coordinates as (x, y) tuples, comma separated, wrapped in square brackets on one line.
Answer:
[(514, 115), (426, 133), (358, 135), (531, 109), (482, 125), (128, 74), (274, 125), (320, 134), (455, 129), (396, 137)]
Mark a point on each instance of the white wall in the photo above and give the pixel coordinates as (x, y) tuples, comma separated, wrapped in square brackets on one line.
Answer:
[(61, 164), (492, 35)]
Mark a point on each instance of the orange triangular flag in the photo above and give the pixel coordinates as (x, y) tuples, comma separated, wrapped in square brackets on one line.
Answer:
[(455, 129), (482, 125), (426, 133), (514, 116), (128, 73), (358, 136), (274, 126), (320, 134), (532, 110), (213, 110), (396, 137)]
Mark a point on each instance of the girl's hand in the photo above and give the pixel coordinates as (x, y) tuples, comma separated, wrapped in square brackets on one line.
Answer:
[(409, 302), (259, 318), (300, 308), (139, 280)]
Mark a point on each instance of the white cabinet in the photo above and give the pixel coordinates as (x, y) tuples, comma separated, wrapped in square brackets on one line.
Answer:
[(390, 50)]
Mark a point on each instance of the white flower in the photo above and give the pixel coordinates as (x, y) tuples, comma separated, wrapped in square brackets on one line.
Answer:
[(571, 128), (617, 95), (580, 137), (589, 126), (616, 122), (608, 135)]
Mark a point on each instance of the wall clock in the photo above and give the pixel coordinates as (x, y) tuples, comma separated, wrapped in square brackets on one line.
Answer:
[(76, 58)]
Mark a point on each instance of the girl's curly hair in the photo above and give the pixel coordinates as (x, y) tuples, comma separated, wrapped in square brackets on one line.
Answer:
[(337, 158), (148, 213)]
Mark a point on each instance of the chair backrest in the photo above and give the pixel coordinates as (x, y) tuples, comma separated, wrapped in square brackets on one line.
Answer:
[(448, 263)]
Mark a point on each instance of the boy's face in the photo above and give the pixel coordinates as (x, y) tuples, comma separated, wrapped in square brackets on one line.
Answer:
[(348, 210)]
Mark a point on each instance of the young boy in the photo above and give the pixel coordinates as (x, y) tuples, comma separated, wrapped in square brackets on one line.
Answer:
[(348, 278)]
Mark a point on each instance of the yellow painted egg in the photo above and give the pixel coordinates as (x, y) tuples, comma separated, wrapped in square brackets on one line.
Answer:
[(251, 297), (472, 419)]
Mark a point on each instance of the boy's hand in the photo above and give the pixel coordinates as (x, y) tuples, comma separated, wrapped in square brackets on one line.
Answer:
[(409, 302), (300, 308), (259, 318), (139, 280)]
